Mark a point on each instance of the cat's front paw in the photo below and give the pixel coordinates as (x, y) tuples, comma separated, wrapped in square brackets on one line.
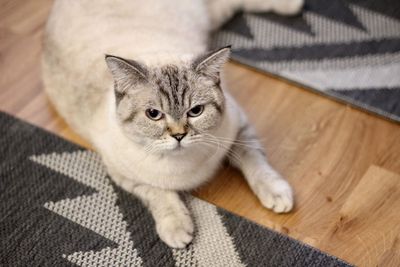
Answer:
[(275, 195), (176, 230)]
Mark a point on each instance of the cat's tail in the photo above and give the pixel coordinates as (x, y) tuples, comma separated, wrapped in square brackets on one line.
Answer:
[(221, 11)]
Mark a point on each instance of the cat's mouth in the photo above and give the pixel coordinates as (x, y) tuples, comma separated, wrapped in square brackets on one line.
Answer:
[(178, 149)]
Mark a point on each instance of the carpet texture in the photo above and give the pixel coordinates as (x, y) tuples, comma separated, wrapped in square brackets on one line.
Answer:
[(59, 208), (348, 50)]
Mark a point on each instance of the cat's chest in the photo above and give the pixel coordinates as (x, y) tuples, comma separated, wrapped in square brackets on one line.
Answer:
[(178, 173)]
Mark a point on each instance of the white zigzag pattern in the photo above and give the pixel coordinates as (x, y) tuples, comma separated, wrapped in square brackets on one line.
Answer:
[(97, 212), (212, 245), (268, 34), (330, 73)]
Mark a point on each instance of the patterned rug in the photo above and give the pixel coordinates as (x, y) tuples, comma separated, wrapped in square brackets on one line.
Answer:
[(59, 208), (348, 50)]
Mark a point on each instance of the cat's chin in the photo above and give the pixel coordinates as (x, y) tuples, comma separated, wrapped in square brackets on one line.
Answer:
[(173, 150), (177, 150)]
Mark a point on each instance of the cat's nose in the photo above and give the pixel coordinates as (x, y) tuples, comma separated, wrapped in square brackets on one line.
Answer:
[(179, 136)]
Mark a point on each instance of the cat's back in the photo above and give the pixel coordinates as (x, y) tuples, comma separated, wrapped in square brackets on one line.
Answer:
[(79, 33), (133, 27)]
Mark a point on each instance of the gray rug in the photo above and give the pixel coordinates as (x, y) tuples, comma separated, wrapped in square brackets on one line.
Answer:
[(348, 50), (59, 208)]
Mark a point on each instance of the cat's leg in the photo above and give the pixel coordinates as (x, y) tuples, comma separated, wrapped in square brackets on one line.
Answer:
[(173, 222), (221, 11), (248, 155)]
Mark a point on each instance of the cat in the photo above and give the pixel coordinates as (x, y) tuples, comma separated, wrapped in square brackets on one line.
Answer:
[(134, 78)]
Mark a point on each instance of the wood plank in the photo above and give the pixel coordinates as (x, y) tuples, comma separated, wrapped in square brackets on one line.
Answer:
[(366, 230)]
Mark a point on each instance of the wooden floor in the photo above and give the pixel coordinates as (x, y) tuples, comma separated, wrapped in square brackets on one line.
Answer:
[(343, 163)]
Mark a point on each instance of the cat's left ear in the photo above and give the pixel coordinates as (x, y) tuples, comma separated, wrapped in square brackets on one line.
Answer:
[(210, 65), (126, 72)]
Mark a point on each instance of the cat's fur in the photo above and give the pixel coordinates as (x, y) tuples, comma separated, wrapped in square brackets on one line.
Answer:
[(171, 73)]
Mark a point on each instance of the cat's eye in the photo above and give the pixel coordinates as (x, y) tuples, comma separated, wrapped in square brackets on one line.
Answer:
[(196, 111), (154, 114)]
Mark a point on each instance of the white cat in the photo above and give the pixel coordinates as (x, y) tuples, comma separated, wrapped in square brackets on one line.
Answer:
[(160, 119)]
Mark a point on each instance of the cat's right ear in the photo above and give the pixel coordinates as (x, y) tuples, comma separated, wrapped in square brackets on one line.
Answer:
[(126, 73)]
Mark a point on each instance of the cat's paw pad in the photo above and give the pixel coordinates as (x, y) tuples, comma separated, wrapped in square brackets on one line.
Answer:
[(276, 195), (176, 230), (288, 7)]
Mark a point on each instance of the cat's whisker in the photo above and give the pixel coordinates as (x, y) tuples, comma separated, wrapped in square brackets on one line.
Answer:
[(203, 148), (232, 140), (223, 139), (228, 150), (212, 145), (255, 141), (238, 144), (225, 144)]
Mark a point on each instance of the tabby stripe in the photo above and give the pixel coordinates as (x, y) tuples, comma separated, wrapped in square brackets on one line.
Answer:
[(175, 97), (174, 82), (161, 102), (165, 94), (217, 107), (184, 91), (170, 94), (170, 99), (185, 87)]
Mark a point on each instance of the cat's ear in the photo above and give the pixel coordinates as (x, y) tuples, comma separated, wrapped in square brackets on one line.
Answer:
[(210, 64), (126, 72)]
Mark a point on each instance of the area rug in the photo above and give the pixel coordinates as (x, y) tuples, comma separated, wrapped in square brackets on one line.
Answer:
[(348, 50), (58, 207)]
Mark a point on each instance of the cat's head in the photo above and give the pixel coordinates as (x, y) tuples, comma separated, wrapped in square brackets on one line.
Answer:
[(172, 108)]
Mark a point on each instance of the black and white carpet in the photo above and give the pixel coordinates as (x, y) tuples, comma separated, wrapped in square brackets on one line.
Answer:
[(346, 49), (59, 208)]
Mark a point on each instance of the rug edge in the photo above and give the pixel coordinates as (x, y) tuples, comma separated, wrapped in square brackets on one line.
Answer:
[(370, 110)]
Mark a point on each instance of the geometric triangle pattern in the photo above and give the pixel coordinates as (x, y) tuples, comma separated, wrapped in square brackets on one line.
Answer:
[(386, 7), (327, 41), (97, 212), (337, 10), (58, 207), (239, 25), (297, 23)]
